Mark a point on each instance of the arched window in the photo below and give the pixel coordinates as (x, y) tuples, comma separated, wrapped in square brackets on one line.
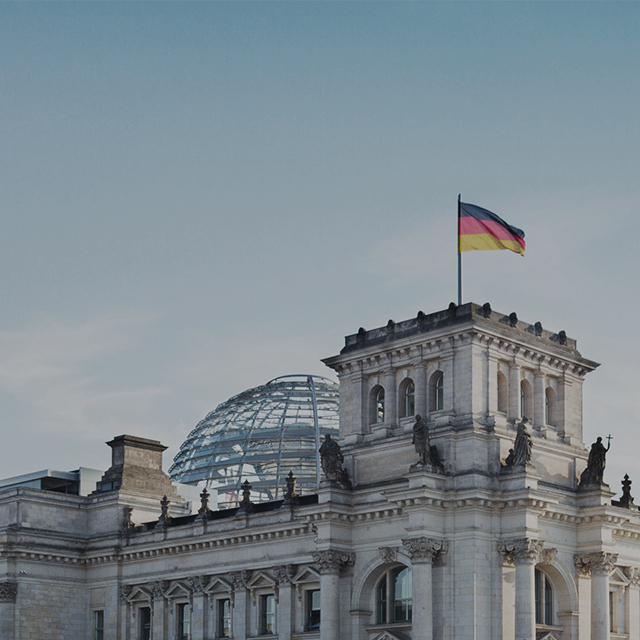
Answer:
[(376, 405), (544, 598), (394, 596), (550, 407), (526, 400), (407, 398), (436, 395), (502, 392)]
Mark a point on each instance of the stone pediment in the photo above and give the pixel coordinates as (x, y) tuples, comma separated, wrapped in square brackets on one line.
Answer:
[(139, 594), (177, 590), (306, 574), (391, 635), (219, 585), (547, 635), (261, 579)]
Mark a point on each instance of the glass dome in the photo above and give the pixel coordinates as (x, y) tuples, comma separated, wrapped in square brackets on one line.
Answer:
[(260, 435)]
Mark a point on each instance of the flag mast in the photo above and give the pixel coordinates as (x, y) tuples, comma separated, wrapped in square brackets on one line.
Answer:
[(459, 258)]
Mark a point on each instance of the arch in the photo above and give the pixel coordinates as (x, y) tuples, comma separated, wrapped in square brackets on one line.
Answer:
[(503, 393), (377, 411), (526, 400), (407, 398), (564, 585), (436, 391), (550, 407)]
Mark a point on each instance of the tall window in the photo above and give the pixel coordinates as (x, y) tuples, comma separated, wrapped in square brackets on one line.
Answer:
[(502, 392), (394, 597), (267, 614), (437, 391), (380, 405), (550, 407), (313, 610), (145, 623), (544, 599), (183, 621), (407, 398), (98, 625), (224, 618), (526, 400)]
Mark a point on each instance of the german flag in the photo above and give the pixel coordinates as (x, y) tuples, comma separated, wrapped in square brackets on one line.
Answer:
[(481, 230)]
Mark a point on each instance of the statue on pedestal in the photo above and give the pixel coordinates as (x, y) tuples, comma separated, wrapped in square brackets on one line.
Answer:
[(594, 473), (331, 459)]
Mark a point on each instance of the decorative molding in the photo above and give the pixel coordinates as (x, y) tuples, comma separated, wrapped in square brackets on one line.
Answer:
[(197, 584), (125, 592), (157, 588), (596, 563), (334, 561), (424, 549), (388, 554), (8, 591)]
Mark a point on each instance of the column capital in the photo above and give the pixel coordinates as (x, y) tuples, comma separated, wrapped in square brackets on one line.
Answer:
[(525, 550), (197, 584), (333, 561), (239, 579), (284, 574), (633, 574), (158, 588), (596, 563), (8, 591), (424, 549)]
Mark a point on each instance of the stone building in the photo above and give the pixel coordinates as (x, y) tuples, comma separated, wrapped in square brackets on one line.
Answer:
[(461, 504)]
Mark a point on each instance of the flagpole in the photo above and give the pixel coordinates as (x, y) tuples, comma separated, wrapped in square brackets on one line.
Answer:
[(459, 258)]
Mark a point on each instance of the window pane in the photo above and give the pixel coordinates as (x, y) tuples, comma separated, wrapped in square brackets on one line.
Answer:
[(268, 614), (380, 406), (224, 618), (313, 610), (145, 623), (402, 594), (440, 392), (538, 590), (548, 602), (410, 407), (381, 601), (184, 620), (99, 625)]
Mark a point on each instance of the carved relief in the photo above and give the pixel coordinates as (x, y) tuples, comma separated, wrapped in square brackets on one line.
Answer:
[(197, 584), (424, 549), (389, 554), (633, 575), (333, 561), (284, 573), (8, 591), (239, 579), (125, 592)]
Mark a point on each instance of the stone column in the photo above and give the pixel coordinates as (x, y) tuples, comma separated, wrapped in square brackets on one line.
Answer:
[(421, 389), (390, 398), (633, 603), (331, 562), (239, 604), (158, 609), (8, 596), (600, 564), (524, 552), (198, 608), (423, 551), (284, 623), (514, 392), (492, 383), (360, 401), (539, 418)]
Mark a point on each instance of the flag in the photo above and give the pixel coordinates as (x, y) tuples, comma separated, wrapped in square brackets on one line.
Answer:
[(481, 230)]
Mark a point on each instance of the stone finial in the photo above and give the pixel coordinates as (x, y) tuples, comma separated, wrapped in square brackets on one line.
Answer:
[(626, 500), (424, 549), (239, 579), (165, 519), (8, 591), (290, 495), (522, 550), (562, 338), (388, 554), (537, 328), (204, 510), (598, 562), (334, 561), (246, 505), (284, 573)]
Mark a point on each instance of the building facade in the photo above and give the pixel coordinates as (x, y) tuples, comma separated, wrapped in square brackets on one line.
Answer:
[(472, 510)]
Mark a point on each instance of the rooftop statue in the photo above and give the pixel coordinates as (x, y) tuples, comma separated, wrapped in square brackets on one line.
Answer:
[(594, 473), (520, 455), (421, 440)]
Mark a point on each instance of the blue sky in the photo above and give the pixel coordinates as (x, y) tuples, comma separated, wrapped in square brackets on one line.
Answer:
[(199, 197)]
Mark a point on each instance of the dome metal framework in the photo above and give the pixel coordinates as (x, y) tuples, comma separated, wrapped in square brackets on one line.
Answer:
[(260, 435)]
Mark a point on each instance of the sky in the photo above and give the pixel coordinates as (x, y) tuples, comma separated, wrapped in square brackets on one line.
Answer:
[(199, 197)]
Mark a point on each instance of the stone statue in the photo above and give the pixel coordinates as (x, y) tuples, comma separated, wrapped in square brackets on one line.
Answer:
[(290, 494), (421, 440), (520, 455), (594, 473), (522, 445), (331, 459)]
